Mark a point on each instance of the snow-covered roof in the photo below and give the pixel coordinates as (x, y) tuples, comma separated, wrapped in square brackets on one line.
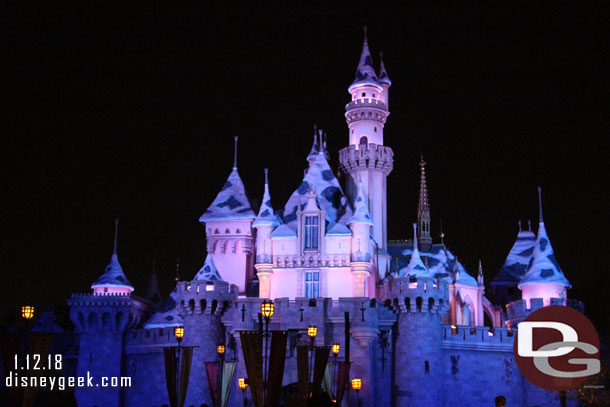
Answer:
[(266, 215), (283, 231), (322, 181), (365, 73), (518, 258), (231, 202), (315, 148), (167, 316), (339, 230), (543, 267), (208, 272), (361, 208), (440, 261), (383, 74), (113, 275), (416, 267)]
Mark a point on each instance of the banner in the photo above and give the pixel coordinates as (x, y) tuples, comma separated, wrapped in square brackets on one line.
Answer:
[(342, 380), (186, 359), (211, 368), (228, 370), (277, 359), (319, 367), (169, 355), (328, 381), (303, 371), (252, 348)]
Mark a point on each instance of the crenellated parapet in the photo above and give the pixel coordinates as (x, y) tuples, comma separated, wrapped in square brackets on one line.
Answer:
[(112, 313), (366, 109), (369, 156), (481, 338), (204, 297), (518, 310), (427, 296)]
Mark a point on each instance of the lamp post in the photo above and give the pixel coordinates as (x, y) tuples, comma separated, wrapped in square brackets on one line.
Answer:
[(220, 350), (243, 385), (312, 331), (179, 334), (267, 309), (357, 385), (335, 348), (27, 313)]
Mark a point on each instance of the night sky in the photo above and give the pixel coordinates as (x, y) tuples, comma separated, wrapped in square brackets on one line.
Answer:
[(130, 112)]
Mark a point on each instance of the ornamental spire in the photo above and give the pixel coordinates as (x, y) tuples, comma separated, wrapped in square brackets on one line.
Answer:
[(383, 74), (365, 73), (540, 204), (423, 210), (235, 155), (116, 235)]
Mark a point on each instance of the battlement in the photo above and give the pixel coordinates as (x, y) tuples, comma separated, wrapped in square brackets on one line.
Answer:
[(366, 109), (145, 340), (101, 299), (283, 261), (406, 295), (371, 156), (205, 297), (519, 309), (112, 313), (476, 338)]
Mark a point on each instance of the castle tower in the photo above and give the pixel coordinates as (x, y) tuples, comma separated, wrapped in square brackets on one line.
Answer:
[(360, 225), (101, 319), (423, 211), (228, 228), (420, 302), (264, 224), (366, 115), (543, 278)]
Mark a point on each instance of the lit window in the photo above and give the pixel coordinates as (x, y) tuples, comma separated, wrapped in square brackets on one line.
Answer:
[(312, 284), (311, 232)]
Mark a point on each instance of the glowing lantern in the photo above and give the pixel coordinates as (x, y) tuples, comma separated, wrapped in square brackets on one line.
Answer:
[(242, 383), (267, 308), (356, 384), (27, 312), (312, 331)]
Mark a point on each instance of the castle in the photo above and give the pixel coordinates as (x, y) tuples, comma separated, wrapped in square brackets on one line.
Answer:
[(423, 332)]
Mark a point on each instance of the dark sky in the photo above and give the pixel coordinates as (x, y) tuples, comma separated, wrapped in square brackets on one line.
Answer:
[(130, 112)]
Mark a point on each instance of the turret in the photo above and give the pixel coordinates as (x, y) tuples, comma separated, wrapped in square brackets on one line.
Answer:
[(360, 224), (228, 227), (264, 224), (543, 278), (113, 280)]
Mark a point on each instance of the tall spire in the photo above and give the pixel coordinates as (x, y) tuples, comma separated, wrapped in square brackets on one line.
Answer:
[(266, 215), (235, 155), (177, 270), (540, 204), (152, 293), (116, 235), (480, 279), (365, 73), (315, 148), (423, 210), (383, 74)]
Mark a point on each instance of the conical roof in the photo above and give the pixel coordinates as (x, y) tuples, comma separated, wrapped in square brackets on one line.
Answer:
[(167, 316), (365, 73), (266, 215), (543, 267), (113, 275), (416, 267), (383, 74), (152, 292), (231, 202), (518, 258), (361, 208), (208, 272)]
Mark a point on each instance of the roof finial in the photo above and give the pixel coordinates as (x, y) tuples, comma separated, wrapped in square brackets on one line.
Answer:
[(415, 237), (480, 278), (442, 234), (266, 176), (235, 155), (116, 234), (529, 225), (540, 204), (519, 223), (320, 142), (178, 269), (365, 36), (423, 209)]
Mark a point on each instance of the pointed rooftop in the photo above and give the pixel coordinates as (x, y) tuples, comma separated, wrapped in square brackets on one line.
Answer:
[(113, 276), (361, 207), (321, 179), (266, 215), (461, 274), (365, 73), (232, 201), (315, 148), (518, 258), (152, 292), (416, 267), (208, 272), (383, 74), (480, 278), (167, 316), (543, 267)]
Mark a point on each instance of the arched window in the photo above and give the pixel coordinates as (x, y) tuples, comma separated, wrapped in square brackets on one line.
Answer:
[(238, 231), (364, 140), (216, 232), (227, 231)]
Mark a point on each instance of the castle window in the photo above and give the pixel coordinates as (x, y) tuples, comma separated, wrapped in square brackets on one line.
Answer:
[(363, 94), (216, 231), (238, 231), (312, 284), (364, 140), (312, 230), (374, 95), (227, 231), (375, 129)]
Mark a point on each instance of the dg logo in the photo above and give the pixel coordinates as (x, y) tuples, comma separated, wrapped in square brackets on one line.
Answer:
[(557, 348)]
